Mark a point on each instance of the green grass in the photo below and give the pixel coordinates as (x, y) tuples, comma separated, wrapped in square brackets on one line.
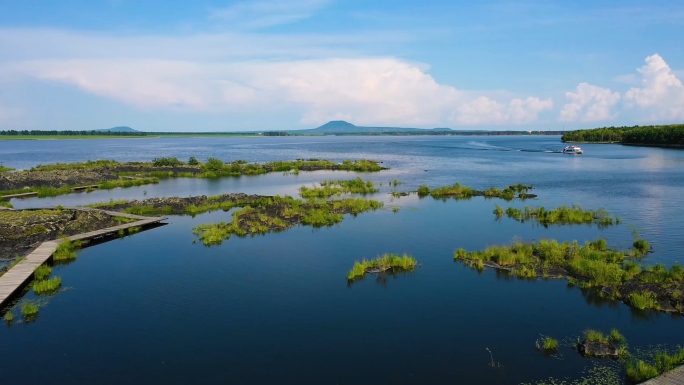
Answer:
[(549, 344), (454, 191), (423, 191), (458, 191), (273, 214), (9, 317), (42, 272), (29, 310), (643, 300), (133, 230), (641, 245), (66, 250), (5, 169), (149, 210), (6, 204), (562, 215), (589, 265), (392, 262), (639, 370), (48, 286), (338, 187)]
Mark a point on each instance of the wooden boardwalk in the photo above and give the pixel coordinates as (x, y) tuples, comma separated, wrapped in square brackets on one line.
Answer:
[(673, 377), (13, 279)]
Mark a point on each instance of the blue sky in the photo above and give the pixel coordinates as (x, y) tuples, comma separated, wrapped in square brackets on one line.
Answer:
[(268, 65)]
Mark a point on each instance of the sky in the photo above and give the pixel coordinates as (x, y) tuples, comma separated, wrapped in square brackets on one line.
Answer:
[(209, 65)]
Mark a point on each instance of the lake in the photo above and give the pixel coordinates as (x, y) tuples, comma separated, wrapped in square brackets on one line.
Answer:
[(157, 307)]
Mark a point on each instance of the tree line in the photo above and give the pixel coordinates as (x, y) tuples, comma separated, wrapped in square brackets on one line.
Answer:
[(70, 133), (672, 134)]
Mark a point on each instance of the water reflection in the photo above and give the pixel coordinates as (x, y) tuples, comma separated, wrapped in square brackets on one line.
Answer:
[(382, 278)]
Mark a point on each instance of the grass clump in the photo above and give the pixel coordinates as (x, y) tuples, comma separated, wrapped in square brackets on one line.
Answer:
[(42, 272), (454, 191), (9, 318), (548, 344), (6, 204), (591, 265), (562, 215), (47, 286), (423, 191), (640, 370), (66, 250), (273, 214), (29, 310), (338, 187), (385, 262), (643, 300), (508, 193)]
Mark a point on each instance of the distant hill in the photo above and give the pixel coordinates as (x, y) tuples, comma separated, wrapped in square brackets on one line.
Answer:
[(342, 127), (118, 129)]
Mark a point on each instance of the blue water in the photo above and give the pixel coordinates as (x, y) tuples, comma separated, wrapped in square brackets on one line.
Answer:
[(157, 308)]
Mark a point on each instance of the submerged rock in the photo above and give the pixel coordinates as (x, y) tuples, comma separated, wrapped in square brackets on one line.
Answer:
[(602, 349)]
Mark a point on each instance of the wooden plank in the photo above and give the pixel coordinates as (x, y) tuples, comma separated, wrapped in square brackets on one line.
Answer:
[(15, 277), (673, 377), (78, 188), (22, 195)]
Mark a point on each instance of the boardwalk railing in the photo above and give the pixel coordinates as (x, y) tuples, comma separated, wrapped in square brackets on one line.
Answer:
[(15, 277)]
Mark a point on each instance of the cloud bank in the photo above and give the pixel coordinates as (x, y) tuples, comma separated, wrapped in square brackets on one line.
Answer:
[(313, 77), (145, 73), (660, 97)]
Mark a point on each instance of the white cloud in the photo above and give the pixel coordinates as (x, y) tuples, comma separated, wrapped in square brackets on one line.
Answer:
[(589, 104), (267, 13), (484, 110), (229, 73), (661, 94)]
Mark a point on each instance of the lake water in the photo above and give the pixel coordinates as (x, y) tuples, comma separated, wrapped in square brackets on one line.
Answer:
[(157, 308)]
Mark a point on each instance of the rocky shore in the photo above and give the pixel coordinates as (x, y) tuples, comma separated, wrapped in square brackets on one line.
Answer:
[(21, 231), (179, 206), (57, 178)]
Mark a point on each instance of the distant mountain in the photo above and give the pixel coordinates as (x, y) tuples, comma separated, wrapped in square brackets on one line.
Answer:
[(342, 127), (119, 129)]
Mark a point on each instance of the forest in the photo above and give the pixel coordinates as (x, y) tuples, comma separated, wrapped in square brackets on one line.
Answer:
[(671, 135)]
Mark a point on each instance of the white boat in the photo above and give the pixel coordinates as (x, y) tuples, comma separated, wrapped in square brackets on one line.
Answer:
[(575, 150)]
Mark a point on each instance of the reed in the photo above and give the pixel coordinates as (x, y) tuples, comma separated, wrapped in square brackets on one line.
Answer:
[(644, 300), (549, 344), (29, 310), (423, 191), (149, 210), (338, 187), (639, 370), (562, 215), (48, 286), (591, 265), (42, 272), (385, 262), (273, 214), (66, 250)]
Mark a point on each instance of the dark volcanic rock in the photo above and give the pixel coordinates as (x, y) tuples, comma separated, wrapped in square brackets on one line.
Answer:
[(58, 178), (21, 231), (598, 349)]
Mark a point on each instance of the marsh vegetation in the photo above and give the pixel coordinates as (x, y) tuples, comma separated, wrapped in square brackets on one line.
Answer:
[(64, 178), (562, 215), (381, 264), (592, 265), (273, 214), (458, 191), (330, 188)]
